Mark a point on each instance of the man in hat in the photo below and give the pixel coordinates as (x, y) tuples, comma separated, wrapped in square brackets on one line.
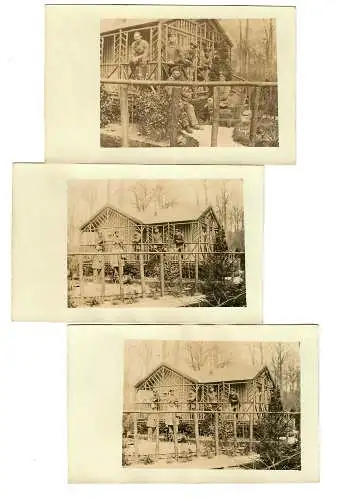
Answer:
[(98, 261), (179, 241), (157, 240), (234, 401), (171, 418), (205, 63), (139, 56)]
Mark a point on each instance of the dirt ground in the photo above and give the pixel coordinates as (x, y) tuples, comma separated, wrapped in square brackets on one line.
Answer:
[(187, 458)]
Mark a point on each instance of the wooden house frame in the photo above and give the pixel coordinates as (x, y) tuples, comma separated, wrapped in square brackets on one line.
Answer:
[(199, 230), (254, 390), (115, 45)]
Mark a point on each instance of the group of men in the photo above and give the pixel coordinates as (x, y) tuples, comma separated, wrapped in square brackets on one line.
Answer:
[(181, 65), (170, 403), (157, 243)]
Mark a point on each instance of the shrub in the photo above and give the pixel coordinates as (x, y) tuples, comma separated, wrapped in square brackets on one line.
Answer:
[(109, 107), (151, 112), (266, 133)]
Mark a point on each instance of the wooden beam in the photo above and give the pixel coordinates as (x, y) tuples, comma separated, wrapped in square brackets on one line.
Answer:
[(185, 83), (174, 116), (143, 283), (120, 276), (215, 116), (103, 278), (162, 274), (124, 115), (81, 282), (254, 117), (180, 270), (216, 432), (159, 50)]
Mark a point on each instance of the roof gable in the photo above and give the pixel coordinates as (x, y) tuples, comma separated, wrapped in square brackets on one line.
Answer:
[(97, 218)]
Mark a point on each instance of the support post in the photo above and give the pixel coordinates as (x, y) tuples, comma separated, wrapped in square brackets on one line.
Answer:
[(159, 50), (120, 276), (180, 271), (196, 433), (197, 271), (175, 436), (174, 116), (162, 274), (254, 117), (136, 443), (215, 116), (157, 435), (216, 432), (124, 115), (103, 278), (143, 283), (251, 433), (81, 282), (235, 428)]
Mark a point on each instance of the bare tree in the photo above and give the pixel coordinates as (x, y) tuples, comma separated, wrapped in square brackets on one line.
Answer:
[(279, 356), (142, 196), (236, 218)]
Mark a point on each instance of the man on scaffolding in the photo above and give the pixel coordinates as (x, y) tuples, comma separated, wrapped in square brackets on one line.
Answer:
[(139, 57)]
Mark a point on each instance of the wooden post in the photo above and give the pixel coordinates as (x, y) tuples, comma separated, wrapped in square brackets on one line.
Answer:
[(81, 282), (162, 274), (196, 433), (174, 116), (254, 117), (103, 278), (124, 115), (136, 443), (196, 271), (235, 428), (159, 50), (143, 283), (175, 436), (251, 433), (215, 116), (120, 276), (157, 436), (180, 271), (216, 432)]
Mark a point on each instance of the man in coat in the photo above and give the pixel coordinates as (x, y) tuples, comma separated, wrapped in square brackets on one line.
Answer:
[(139, 57)]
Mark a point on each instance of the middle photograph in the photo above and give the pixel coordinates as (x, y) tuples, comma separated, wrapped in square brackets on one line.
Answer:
[(155, 243)]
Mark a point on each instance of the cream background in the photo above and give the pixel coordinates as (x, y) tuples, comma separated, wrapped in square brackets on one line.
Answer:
[(72, 82), (39, 283), (95, 402)]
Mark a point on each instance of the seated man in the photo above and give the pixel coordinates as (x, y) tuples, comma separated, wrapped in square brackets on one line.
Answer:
[(139, 57), (188, 121), (205, 64), (174, 57), (190, 60)]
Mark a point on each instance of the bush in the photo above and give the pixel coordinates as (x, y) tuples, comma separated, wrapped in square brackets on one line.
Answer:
[(151, 112), (109, 107), (274, 453), (266, 133)]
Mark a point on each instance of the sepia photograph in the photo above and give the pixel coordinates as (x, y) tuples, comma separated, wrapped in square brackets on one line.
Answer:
[(205, 404), (188, 83), (156, 243), (193, 403), (218, 81)]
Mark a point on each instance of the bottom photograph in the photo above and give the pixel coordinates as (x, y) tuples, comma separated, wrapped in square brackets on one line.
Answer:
[(165, 401)]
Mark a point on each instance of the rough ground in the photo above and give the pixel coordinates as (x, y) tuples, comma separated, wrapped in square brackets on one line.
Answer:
[(94, 290), (203, 136)]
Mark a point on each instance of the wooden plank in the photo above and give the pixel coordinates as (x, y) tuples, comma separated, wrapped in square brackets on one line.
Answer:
[(251, 434), (186, 83), (157, 436), (235, 428), (120, 276), (216, 432), (143, 282), (196, 434), (124, 115), (215, 116), (103, 278), (174, 116), (80, 273), (175, 437), (136, 439), (159, 50), (196, 272), (254, 117), (162, 274), (180, 270)]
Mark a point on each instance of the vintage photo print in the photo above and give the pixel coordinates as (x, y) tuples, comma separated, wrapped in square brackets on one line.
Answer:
[(210, 85), (143, 244), (232, 403), (156, 243)]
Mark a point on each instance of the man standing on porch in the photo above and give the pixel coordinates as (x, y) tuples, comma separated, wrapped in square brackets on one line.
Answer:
[(139, 57)]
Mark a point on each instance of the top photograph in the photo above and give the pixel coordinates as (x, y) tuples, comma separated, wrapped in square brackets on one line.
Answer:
[(223, 88), (189, 83)]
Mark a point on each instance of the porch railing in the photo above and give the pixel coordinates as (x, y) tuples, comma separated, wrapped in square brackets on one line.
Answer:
[(175, 102)]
